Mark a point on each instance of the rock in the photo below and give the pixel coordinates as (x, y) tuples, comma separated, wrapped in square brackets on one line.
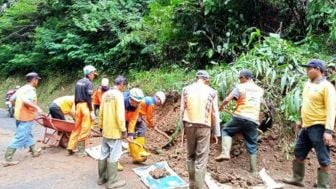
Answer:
[(159, 173)]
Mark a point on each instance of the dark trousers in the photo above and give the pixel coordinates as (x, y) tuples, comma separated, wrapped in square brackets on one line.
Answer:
[(249, 130), (140, 128), (56, 112), (312, 137), (96, 109)]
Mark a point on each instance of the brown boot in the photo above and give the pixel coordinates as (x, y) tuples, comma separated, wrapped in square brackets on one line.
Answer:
[(70, 152)]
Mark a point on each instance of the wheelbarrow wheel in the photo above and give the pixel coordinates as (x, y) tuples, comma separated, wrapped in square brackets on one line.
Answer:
[(64, 140)]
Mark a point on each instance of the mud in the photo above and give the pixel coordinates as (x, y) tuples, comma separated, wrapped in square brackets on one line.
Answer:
[(53, 169), (159, 173), (235, 171)]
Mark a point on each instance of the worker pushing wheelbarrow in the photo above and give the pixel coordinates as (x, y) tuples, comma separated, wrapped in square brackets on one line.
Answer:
[(57, 132)]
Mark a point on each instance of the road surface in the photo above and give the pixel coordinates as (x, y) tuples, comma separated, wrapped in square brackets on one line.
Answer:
[(53, 169)]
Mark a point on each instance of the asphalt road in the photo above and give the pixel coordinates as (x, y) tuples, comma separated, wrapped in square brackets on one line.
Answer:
[(53, 169)]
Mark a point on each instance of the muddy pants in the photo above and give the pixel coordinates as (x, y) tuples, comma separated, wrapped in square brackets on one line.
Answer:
[(198, 143), (82, 125)]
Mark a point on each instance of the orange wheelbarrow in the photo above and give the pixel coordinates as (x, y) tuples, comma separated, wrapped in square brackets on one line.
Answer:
[(57, 132)]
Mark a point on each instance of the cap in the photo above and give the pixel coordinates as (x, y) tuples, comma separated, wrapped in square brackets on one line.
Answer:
[(202, 73), (32, 75), (105, 82), (88, 69), (246, 73), (120, 80), (315, 63)]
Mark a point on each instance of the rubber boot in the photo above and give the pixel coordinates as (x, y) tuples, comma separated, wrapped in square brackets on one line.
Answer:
[(253, 164), (200, 179), (9, 157), (120, 167), (298, 174), (134, 150), (35, 151), (142, 151), (112, 181), (191, 173), (81, 149), (102, 170), (226, 148), (322, 179)]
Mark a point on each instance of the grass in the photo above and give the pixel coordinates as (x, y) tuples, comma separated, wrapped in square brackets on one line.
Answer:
[(60, 85), (161, 79)]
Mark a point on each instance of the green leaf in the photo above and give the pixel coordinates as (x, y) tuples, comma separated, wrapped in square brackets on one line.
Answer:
[(210, 53)]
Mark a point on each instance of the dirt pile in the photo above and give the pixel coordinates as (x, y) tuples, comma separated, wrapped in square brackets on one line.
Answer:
[(235, 171)]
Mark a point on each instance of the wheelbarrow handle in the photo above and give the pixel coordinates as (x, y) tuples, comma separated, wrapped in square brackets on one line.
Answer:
[(45, 117)]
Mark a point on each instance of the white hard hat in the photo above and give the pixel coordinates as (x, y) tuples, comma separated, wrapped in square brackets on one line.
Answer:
[(136, 94), (105, 82), (88, 69), (161, 96)]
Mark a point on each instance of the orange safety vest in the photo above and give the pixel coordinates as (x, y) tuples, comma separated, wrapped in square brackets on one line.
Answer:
[(23, 112)]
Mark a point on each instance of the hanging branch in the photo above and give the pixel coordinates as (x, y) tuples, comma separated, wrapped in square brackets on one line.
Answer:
[(19, 33)]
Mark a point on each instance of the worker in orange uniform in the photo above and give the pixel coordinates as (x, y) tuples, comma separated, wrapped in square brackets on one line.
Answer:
[(133, 99), (84, 112), (62, 106), (97, 95), (146, 114), (147, 109)]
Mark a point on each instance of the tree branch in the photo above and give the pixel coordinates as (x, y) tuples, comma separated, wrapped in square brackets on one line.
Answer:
[(18, 33)]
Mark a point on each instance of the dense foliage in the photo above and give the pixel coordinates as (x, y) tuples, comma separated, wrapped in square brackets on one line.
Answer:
[(271, 37), (116, 36)]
